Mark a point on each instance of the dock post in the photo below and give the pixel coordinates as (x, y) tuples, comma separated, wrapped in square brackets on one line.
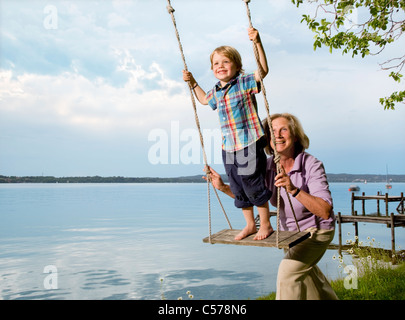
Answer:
[(393, 258), (340, 233), (356, 229), (352, 203)]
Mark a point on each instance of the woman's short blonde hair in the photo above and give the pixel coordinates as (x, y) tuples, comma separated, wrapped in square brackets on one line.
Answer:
[(296, 129), (231, 53)]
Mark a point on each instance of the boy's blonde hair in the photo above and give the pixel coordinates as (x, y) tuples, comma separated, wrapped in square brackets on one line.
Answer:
[(231, 53)]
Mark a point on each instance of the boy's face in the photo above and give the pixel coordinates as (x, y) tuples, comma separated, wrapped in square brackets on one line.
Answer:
[(224, 68)]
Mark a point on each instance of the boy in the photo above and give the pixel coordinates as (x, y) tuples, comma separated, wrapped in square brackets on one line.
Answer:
[(243, 137)]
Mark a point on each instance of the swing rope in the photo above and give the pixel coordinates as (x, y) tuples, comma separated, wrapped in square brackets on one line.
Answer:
[(171, 10), (273, 138)]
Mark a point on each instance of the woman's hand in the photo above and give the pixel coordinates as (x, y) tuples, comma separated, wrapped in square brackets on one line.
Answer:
[(215, 177), (217, 181), (283, 180)]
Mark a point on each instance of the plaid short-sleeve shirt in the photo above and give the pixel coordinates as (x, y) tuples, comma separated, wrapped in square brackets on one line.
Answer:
[(237, 110)]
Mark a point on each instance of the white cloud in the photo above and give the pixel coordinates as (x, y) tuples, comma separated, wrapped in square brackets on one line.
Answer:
[(72, 100), (113, 69)]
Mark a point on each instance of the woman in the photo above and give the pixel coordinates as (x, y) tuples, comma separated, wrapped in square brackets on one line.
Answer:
[(303, 177)]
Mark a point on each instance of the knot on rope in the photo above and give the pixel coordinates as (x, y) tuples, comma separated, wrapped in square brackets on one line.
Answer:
[(247, 1), (170, 9)]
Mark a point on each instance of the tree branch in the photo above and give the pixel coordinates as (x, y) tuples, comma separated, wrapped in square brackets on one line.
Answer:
[(384, 24)]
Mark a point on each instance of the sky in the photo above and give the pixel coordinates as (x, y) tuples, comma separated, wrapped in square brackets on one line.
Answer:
[(94, 87)]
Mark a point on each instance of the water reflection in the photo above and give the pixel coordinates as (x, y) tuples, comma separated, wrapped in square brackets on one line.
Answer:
[(106, 245), (212, 284)]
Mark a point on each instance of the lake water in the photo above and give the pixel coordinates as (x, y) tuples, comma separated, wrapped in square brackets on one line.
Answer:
[(141, 241)]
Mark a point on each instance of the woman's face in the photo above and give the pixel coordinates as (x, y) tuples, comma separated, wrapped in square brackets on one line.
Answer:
[(284, 137)]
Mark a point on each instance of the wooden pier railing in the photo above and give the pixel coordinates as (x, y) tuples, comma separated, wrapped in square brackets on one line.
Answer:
[(386, 198), (392, 221)]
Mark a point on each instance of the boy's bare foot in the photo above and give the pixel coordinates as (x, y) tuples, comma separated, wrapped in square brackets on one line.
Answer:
[(247, 231), (263, 233)]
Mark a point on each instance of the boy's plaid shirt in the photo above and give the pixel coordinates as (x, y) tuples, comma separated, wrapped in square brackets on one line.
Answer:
[(237, 110)]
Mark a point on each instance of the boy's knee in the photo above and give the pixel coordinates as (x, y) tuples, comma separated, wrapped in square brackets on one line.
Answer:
[(242, 202)]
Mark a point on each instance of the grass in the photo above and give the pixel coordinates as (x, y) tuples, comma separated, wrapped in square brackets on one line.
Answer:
[(377, 278), (379, 284), (373, 277)]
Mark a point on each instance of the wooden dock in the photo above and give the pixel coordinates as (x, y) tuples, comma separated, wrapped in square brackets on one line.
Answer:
[(386, 198), (392, 221), (287, 239)]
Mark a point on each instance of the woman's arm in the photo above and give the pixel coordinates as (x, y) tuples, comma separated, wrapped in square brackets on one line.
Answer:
[(218, 183), (316, 205)]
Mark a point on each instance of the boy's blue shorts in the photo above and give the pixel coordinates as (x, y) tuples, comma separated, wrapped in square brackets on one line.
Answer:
[(246, 170)]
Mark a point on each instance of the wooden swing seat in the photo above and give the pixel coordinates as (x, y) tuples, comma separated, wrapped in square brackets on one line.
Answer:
[(287, 239)]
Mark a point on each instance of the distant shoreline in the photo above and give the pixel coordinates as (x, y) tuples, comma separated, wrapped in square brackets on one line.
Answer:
[(332, 177)]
